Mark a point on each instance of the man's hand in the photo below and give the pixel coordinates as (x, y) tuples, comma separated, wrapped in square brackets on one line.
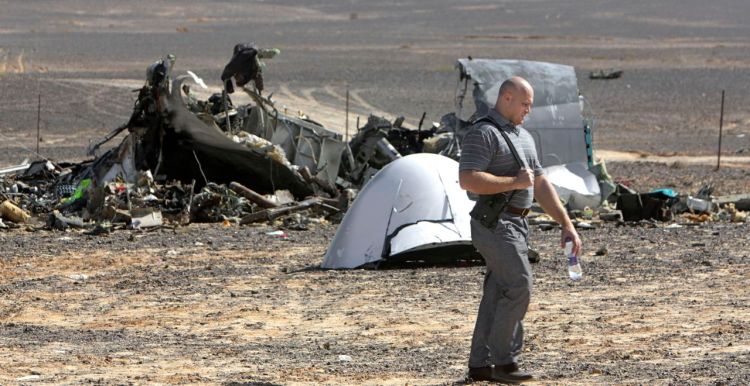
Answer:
[(569, 233), (524, 179)]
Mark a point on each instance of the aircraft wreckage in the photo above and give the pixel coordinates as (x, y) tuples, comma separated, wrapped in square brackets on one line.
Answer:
[(211, 160), (392, 218), (184, 160)]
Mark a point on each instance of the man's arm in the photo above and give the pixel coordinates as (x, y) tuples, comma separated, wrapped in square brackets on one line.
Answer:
[(480, 182), (547, 198)]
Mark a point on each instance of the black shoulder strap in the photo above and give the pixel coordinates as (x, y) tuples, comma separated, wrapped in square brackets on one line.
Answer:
[(489, 207), (512, 148)]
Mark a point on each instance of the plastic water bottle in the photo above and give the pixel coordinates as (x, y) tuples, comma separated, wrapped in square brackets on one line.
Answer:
[(574, 263)]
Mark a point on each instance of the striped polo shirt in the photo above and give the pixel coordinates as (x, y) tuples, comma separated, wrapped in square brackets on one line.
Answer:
[(485, 149)]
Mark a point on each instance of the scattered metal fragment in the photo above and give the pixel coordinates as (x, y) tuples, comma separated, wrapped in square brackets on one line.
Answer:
[(252, 195), (612, 215), (274, 213), (14, 169), (58, 221), (740, 201), (145, 218), (605, 74), (10, 211)]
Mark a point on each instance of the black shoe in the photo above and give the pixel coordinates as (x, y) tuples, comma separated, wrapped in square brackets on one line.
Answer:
[(479, 374), (509, 374)]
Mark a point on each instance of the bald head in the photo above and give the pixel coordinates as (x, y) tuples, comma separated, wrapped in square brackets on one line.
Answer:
[(515, 84), (515, 99)]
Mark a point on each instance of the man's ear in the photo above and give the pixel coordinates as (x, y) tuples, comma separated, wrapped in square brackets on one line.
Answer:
[(507, 96)]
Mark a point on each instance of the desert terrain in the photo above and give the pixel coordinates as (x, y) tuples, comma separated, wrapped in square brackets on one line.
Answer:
[(213, 304)]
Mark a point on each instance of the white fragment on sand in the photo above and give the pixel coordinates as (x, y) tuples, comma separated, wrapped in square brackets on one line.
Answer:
[(29, 378)]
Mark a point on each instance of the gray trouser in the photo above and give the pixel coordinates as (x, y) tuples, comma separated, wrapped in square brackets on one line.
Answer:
[(498, 334)]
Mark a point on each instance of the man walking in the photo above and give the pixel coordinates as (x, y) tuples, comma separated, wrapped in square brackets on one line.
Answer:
[(490, 166)]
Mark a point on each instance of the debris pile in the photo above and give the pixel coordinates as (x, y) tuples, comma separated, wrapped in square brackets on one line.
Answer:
[(145, 204), (625, 205), (184, 159), (380, 142)]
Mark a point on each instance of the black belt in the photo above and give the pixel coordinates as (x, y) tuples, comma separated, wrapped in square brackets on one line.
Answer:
[(517, 211)]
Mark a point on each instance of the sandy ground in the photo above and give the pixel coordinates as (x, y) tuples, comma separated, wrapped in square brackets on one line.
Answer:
[(207, 304)]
